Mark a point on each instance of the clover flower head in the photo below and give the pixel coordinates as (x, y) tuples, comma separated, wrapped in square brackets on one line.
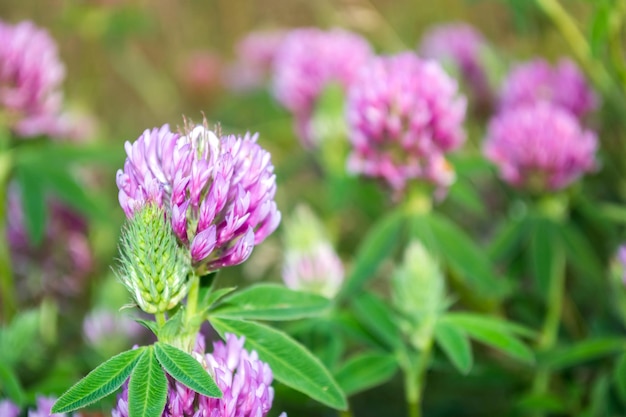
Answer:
[(62, 270), (621, 260), (540, 147), (460, 45), (309, 60), (30, 78), (245, 382), (311, 263), (255, 54), (217, 192), (404, 114), (563, 85)]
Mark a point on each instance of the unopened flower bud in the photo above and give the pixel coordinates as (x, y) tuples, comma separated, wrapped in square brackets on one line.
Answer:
[(418, 293), (154, 267)]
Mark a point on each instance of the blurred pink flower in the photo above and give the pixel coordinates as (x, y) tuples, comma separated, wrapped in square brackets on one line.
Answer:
[(218, 192), (403, 115), (49, 267), (563, 85), (201, 73), (318, 270), (308, 61), (621, 259), (541, 147), (254, 55), (103, 327), (462, 46), (9, 409), (30, 78)]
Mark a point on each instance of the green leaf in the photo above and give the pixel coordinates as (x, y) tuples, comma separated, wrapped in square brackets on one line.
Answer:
[(377, 245), (207, 284), (466, 195), (100, 382), (172, 326), (217, 295), (581, 254), (148, 324), (375, 315), (508, 239), (10, 385), (464, 256), (581, 352), (186, 370), (619, 377), (147, 389), (455, 345), (365, 371), (271, 302), (68, 189), (291, 363), (33, 203), (493, 332)]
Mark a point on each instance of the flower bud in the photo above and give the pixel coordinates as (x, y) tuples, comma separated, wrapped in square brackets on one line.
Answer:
[(154, 268), (418, 291)]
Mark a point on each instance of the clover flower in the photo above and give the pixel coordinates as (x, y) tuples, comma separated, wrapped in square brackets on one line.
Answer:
[(540, 147), (245, 382), (217, 192), (255, 54), (309, 60), (46, 267), (311, 263), (462, 46), (563, 85), (8, 409), (30, 76), (404, 114)]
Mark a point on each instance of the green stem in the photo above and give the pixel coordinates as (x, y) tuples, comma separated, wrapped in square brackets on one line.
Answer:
[(415, 377), (160, 319), (8, 294), (346, 413), (550, 330)]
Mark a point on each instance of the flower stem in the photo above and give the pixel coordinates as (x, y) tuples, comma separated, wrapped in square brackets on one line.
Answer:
[(550, 330), (8, 295), (414, 378)]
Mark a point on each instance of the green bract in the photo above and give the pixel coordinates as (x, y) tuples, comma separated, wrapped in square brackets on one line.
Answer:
[(154, 268)]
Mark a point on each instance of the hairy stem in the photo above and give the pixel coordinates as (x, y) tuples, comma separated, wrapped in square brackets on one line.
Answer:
[(8, 295)]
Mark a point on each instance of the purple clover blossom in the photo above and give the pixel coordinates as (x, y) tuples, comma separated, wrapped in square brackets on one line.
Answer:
[(461, 45), (62, 269), (30, 77), (563, 85), (245, 382), (255, 55), (403, 115), (106, 327), (218, 192), (540, 147), (8, 409), (317, 269), (309, 60)]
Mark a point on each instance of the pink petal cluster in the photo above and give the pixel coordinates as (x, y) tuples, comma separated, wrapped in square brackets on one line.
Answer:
[(318, 270), (61, 270), (245, 382), (30, 77), (309, 60), (104, 326), (255, 55), (461, 45), (43, 407), (404, 114), (218, 192), (540, 147), (563, 85)]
